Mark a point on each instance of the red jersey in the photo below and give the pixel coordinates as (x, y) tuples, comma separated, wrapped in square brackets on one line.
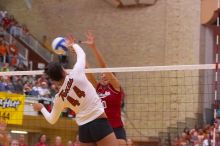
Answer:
[(6, 22), (41, 144), (13, 50), (23, 145), (111, 100)]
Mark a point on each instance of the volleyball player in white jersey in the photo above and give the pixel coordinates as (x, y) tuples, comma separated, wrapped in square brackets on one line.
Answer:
[(78, 94)]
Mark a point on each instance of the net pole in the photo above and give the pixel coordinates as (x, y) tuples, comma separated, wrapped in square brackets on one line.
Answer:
[(216, 75)]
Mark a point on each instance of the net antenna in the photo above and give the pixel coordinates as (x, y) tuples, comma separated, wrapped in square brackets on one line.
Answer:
[(216, 75)]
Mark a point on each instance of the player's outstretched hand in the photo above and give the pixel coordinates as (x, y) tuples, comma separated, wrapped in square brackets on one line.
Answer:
[(70, 41), (37, 106), (90, 39)]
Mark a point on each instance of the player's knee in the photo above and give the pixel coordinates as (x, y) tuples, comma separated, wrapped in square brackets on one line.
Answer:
[(129, 142), (121, 142)]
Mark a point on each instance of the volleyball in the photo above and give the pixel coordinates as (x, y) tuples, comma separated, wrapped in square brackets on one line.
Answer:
[(59, 45)]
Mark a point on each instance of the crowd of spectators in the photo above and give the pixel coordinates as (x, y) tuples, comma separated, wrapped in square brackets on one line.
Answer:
[(42, 141), (198, 136), (9, 53), (11, 25)]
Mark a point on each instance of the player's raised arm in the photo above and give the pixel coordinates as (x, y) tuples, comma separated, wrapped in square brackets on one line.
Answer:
[(91, 77), (110, 76), (80, 54)]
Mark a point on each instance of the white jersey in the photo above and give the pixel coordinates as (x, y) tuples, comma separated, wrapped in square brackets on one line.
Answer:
[(76, 93)]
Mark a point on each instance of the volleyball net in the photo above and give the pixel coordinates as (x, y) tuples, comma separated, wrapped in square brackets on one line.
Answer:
[(159, 102)]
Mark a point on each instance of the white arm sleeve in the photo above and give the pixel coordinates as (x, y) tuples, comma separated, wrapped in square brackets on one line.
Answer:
[(55, 113), (81, 59)]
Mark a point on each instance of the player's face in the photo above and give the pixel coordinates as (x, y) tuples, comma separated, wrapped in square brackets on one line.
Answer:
[(104, 79)]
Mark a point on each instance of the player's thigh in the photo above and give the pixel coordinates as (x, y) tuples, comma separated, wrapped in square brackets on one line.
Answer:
[(109, 140), (87, 144)]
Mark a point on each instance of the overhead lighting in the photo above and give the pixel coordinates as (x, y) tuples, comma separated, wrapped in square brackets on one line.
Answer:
[(19, 132)]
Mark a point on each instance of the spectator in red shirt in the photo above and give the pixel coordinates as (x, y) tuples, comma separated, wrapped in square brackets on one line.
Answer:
[(13, 53), (6, 21), (14, 142), (12, 21), (111, 93), (42, 141), (58, 141), (22, 140), (3, 51), (69, 143), (13, 48)]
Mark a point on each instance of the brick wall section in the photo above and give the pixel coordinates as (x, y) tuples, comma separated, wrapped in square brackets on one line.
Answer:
[(167, 33), (182, 31), (135, 33), (164, 34)]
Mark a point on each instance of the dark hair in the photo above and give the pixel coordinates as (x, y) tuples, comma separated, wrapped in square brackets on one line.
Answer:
[(55, 71)]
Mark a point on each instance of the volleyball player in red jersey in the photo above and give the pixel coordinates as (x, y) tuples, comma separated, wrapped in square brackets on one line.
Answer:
[(111, 93)]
